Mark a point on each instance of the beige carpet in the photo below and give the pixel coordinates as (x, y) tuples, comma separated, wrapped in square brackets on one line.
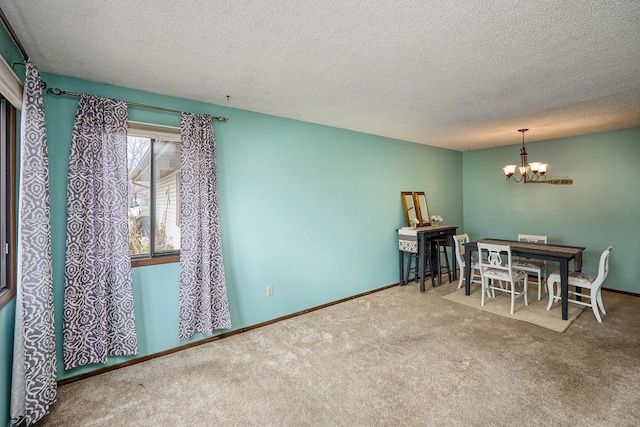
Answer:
[(398, 357), (535, 313)]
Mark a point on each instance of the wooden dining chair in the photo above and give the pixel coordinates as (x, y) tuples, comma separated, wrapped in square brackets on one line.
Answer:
[(584, 281), (498, 266), (527, 265), (459, 241)]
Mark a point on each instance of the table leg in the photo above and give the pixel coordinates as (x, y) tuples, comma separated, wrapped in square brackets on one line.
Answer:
[(467, 271), (421, 261), (453, 258), (578, 267), (401, 262), (438, 260), (432, 261), (564, 287)]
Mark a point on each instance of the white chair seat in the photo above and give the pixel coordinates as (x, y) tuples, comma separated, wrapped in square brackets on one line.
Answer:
[(582, 280), (494, 273), (576, 278), (521, 264)]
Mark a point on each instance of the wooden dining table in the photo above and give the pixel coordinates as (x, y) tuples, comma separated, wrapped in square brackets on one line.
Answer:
[(543, 251)]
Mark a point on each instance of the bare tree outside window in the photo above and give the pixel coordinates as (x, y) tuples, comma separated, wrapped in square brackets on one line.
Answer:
[(139, 194)]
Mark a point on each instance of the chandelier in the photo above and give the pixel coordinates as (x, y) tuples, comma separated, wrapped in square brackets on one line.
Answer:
[(531, 173)]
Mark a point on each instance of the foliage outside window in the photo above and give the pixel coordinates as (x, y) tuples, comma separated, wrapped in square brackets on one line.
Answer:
[(7, 195), (154, 192)]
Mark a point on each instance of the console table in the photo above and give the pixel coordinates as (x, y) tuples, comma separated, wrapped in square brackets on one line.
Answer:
[(425, 234)]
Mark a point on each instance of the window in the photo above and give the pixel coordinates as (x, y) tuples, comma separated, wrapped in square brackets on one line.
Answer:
[(7, 195), (154, 193)]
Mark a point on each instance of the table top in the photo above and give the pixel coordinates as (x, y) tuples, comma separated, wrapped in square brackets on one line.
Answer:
[(429, 229), (539, 250), (435, 228), (534, 246)]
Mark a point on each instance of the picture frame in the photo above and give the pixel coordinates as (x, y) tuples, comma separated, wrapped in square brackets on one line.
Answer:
[(409, 207), (421, 207)]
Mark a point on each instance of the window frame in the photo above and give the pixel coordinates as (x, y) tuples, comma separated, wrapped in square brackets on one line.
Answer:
[(8, 147), (153, 132)]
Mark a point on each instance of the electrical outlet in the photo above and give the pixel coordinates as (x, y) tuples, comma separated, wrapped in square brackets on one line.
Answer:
[(269, 290)]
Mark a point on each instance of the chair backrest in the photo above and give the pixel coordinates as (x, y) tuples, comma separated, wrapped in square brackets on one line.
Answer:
[(459, 240), (603, 267), (533, 238), (495, 257)]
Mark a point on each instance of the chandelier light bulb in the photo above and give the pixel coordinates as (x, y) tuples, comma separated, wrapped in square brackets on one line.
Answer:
[(535, 166), (509, 170)]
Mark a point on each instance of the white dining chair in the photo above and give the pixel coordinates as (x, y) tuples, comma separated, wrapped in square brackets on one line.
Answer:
[(495, 267), (460, 240), (527, 265), (584, 281)]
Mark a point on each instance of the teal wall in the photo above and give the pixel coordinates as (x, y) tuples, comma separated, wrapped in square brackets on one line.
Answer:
[(309, 209), (7, 315), (599, 209)]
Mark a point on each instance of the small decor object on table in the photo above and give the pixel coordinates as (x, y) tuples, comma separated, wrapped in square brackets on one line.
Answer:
[(414, 223), (436, 220)]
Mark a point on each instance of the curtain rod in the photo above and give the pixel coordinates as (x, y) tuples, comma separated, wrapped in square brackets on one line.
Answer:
[(58, 92)]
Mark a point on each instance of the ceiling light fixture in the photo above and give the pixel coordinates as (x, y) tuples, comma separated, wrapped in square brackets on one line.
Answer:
[(531, 173)]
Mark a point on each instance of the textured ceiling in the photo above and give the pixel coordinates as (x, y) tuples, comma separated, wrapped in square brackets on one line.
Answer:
[(460, 74)]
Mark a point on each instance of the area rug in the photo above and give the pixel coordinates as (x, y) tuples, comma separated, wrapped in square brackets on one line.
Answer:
[(535, 313)]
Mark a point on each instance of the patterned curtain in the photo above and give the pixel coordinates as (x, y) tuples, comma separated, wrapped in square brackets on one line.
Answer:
[(203, 290), (33, 385), (98, 318)]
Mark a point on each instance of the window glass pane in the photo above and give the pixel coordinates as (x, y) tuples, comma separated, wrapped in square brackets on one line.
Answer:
[(154, 191), (139, 194), (167, 193), (8, 202), (4, 197)]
